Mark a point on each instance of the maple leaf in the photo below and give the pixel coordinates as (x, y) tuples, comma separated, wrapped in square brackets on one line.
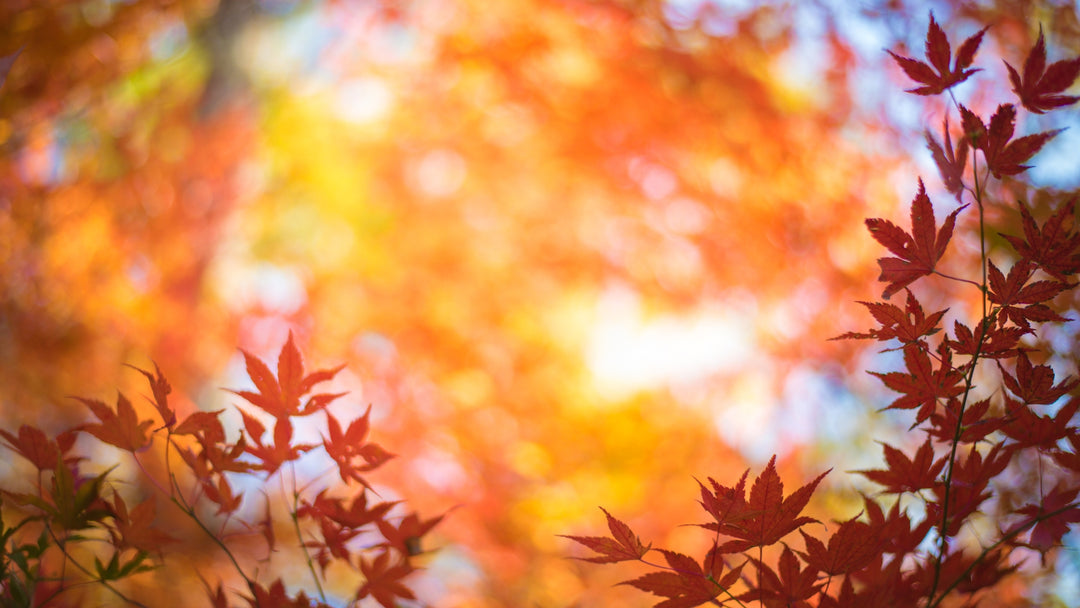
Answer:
[(215, 457), (1012, 291), (1029, 429), (762, 520), (906, 475), (899, 537), (204, 424), (1039, 86), (384, 580), (917, 252), (278, 453), (851, 548), (908, 325), (406, 536), (222, 494), (1070, 459), (623, 545), (1034, 384), (1003, 157), (975, 425), (135, 529), (938, 76), (788, 589), (356, 515), (950, 162), (998, 342), (121, 428), (280, 397), (1052, 517), (922, 385), (349, 446), (161, 389), (277, 597), (333, 544), (32, 444), (687, 584), (969, 488), (1055, 248)]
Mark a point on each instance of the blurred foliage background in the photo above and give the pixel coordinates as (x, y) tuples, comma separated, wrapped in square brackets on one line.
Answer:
[(575, 252)]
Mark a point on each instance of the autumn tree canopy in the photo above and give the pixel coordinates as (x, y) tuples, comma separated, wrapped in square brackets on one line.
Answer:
[(575, 253)]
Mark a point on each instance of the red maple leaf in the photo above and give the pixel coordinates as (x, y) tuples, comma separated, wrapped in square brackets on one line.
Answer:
[(903, 474), (969, 488), (204, 424), (161, 388), (384, 580), (407, 535), (1020, 302), (762, 520), (1055, 247), (1052, 517), (975, 424), (1039, 86), (280, 397), (1035, 383), (356, 515), (221, 494), (922, 385), (1070, 459), (788, 589), (938, 76), (348, 449), (33, 445), (687, 585), (917, 252), (277, 597), (135, 528), (334, 543), (950, 162), (1004, 155), (907, 325), (997, 342), (623, 545), (278, 453), (1029, 429), (121, 428)]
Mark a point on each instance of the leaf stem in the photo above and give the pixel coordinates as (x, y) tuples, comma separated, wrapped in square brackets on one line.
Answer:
[(293, 515), (968, 386), (952, 278)]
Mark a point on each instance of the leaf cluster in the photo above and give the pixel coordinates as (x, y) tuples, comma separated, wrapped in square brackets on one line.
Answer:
[(972, 467), (78, 510)]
